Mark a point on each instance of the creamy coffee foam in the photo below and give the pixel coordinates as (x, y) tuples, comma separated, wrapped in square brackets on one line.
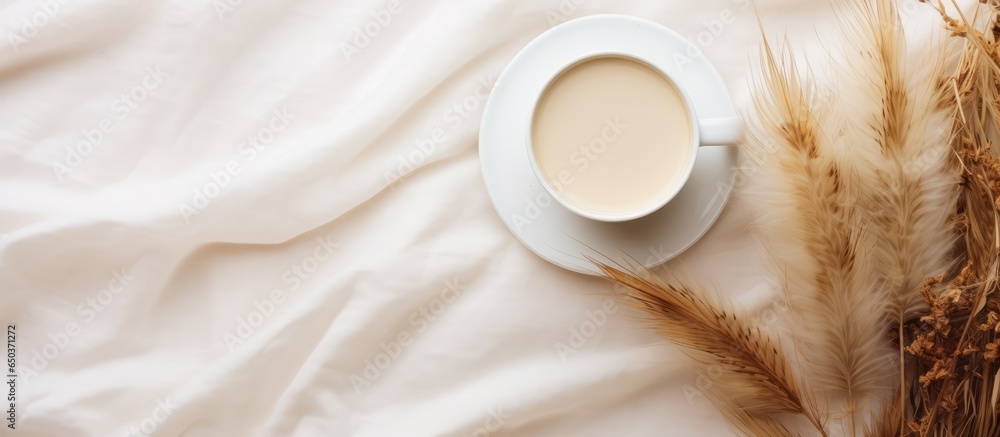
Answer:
[(612, 135)]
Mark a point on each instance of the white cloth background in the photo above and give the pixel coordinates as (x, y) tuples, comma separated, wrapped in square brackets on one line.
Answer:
[(168, 276)]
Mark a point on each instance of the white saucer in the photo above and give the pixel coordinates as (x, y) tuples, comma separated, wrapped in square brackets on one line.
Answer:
[(541, 223)]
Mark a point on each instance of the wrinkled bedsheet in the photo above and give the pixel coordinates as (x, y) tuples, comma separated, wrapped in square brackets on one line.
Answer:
[(229, 218)]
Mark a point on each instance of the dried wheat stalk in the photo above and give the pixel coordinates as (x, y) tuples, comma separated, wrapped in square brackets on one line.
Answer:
[(899, 117), (815, 198), (755, 379)]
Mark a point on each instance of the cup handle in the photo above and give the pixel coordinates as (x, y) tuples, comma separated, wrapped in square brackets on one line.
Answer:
[(720, 131)]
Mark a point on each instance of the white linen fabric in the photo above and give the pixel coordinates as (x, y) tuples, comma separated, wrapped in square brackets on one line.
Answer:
[(230, 217)]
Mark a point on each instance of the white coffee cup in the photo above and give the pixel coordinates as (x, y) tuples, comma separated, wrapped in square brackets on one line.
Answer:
[(703, 132)]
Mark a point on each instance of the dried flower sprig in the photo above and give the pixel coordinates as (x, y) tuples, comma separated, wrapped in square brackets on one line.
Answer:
[(955, 344)]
